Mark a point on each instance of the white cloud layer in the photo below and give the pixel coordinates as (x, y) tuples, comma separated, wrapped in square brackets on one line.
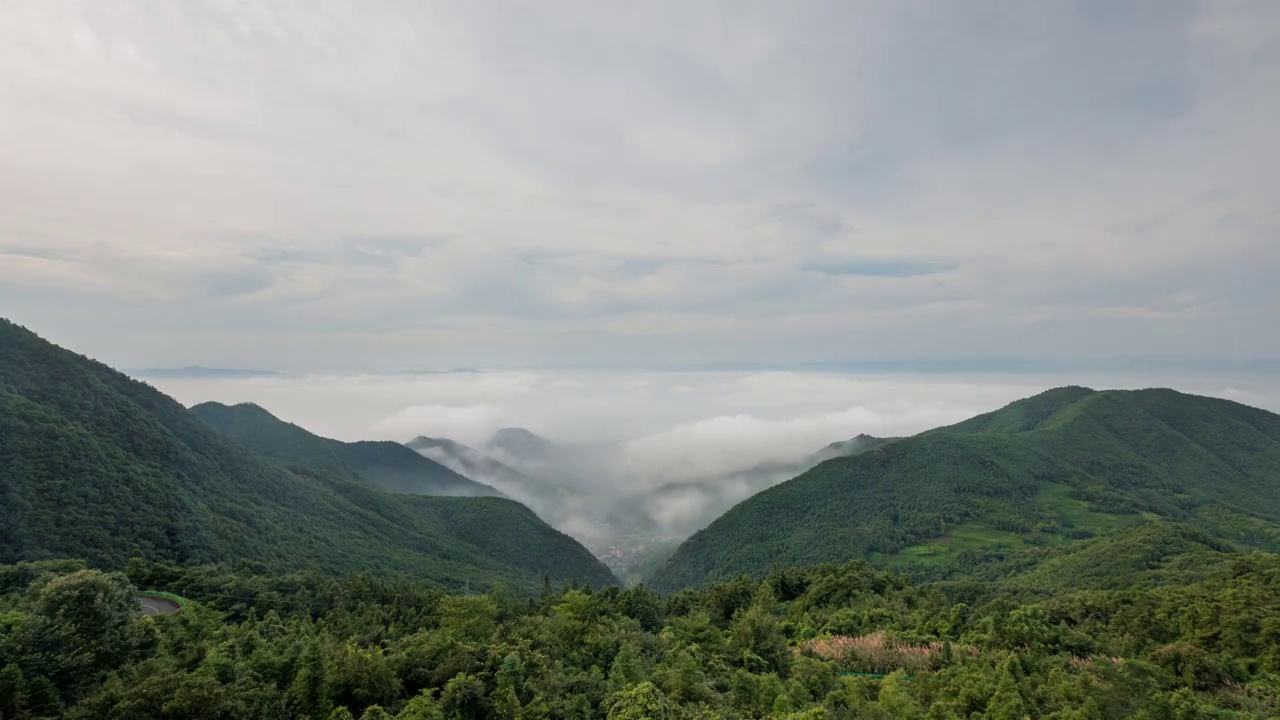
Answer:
[(671, 426), (392, 185)]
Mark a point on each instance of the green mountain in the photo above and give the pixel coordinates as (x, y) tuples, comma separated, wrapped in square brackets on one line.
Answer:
[(542, 496), (97, 466), (853, 446), (1064, 465), (677, 510), (386, 465)]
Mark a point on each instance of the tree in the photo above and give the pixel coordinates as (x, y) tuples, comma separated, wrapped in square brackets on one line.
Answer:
[(463, 698), (758, 643), (308, 693), (896, 698), (640, 702), (13, 700), (627, 669), (422, 707), (360, 677), (1008, 703), (96, 609)]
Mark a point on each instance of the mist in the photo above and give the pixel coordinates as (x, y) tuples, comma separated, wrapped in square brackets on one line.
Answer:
[(656, 454)]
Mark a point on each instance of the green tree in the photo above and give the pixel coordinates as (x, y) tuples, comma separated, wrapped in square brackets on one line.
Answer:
[(640, 702), (422, 707), (359, 677), (628, 668), (758, 644), (308, 693), (463, 698), (13, 693), (1008, 702), (97, 609)]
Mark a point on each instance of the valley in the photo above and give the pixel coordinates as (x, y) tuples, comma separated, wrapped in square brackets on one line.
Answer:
[(995, 562), (505, 360)]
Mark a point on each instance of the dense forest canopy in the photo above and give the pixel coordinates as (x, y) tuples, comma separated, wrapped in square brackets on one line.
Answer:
[(833, 641)]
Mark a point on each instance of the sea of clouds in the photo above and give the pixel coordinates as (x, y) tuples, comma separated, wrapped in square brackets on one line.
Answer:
[(666, 426)]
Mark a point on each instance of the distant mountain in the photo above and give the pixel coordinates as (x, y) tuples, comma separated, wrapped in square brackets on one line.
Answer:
[(386, 465), (523, 445), (473, 464), (97, 466), (552, 483), (1065, 464), (199, 372)]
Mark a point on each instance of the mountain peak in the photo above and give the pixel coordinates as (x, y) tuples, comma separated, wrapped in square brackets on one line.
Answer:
[(520, 442), (1064, 463), (244, 408), (517, 434)]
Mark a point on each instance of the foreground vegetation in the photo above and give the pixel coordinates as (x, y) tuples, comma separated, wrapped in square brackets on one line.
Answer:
[(831, 641)]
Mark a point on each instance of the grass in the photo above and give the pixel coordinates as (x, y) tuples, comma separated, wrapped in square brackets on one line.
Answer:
[(1057, 500), (1075, 513), (966, 536)]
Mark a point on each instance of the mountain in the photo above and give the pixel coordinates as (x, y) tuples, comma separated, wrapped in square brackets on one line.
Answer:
[(521, 443), (680, 509), (548, 499), (844, 448), (1064, 465), (198, 372), (97, 466), (579, 468), (386, 465)]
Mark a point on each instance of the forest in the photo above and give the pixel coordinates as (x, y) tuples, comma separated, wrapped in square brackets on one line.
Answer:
[(1075, 555), (1062, 466), (829, 641), (97, 466)]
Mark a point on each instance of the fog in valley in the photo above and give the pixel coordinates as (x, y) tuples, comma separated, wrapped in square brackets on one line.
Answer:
[(632, 463)]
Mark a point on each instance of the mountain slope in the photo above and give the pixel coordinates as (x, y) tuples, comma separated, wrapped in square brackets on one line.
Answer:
[(1068, 463), (98, 466), (680, 509), (386, 465), (471, 463), (853, 446), (521, 443)]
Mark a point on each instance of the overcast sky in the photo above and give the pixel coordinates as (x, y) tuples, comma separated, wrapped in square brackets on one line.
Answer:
[(380, 185)]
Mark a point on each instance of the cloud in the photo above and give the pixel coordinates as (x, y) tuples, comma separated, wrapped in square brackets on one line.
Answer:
[(881, 267), (470, 425), (672, 425), (276, 185), (627, 437)]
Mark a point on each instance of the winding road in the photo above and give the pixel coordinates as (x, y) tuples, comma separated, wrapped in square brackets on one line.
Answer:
[(152, 605)]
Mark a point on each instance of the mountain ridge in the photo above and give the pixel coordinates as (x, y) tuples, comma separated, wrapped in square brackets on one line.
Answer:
[(383, 464), (96, 465), (1067, 461)]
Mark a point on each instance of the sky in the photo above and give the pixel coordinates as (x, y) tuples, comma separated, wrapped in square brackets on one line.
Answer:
[(353, 187)]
